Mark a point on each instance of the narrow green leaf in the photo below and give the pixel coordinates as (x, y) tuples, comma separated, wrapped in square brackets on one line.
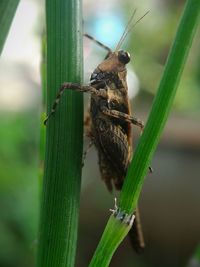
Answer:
[(113, 235), (7, 13), (62, 171), (155, 124), (161, 106)]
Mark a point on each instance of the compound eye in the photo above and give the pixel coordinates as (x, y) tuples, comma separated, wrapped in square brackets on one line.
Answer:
[(124, 57)]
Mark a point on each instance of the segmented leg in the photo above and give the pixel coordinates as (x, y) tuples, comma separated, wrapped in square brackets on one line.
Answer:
[(76, 87), (99, 43), (91, 143), (136, 234), (120, 115)]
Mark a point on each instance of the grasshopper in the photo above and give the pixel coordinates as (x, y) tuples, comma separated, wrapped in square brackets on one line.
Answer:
[(110, 120)]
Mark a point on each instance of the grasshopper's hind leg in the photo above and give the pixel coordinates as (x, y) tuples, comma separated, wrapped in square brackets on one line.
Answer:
[(123, 116), (76, 87), (136, 234)]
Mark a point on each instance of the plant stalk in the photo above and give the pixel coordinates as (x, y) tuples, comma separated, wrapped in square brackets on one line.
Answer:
[(7, 13), (152, 132), (64, 133)]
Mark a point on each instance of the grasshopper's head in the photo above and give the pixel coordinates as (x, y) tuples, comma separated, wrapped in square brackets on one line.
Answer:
[(115, 61)]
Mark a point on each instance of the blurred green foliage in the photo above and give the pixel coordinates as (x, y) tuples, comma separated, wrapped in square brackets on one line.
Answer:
[(151, 39), (18, 189)]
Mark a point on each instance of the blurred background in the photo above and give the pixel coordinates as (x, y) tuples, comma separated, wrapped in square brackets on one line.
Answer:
[(169, 203)]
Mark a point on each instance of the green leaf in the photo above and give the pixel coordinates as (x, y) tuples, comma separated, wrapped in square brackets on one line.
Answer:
[(161, 106), (64, 133), (7, 13), (113, 235)]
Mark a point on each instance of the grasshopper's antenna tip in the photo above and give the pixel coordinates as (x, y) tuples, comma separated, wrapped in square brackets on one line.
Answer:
[(129, 27)]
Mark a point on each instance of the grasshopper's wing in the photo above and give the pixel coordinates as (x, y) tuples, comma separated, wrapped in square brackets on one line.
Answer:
[(116, 150)]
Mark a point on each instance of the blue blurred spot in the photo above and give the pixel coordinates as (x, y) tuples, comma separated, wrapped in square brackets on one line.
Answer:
[(108, 29)]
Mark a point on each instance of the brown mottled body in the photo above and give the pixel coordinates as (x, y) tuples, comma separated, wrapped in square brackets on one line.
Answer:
[(112, 136), (110, 122)]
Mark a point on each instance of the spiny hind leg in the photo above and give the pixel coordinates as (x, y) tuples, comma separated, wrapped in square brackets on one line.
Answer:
[(136, 234), (76, 87), (123, 116)]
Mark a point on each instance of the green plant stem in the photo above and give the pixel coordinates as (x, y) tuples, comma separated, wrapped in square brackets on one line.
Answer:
[(113, 235), (161, 106), (155, 124), (62, 170), (7, 13)]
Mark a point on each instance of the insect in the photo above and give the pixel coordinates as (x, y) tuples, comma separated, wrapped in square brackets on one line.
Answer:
[(110, 119)]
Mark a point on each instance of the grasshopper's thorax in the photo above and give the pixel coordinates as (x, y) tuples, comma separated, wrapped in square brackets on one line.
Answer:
[(111, 73)]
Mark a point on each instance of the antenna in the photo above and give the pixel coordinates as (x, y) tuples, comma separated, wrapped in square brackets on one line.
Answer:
[(129, 28), (125, 30)]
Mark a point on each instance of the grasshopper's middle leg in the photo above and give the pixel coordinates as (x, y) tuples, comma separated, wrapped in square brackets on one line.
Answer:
[(76, 87)]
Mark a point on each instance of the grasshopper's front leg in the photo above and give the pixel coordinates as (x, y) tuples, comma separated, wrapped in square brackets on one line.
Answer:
[(123, 116), (76, 87)]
